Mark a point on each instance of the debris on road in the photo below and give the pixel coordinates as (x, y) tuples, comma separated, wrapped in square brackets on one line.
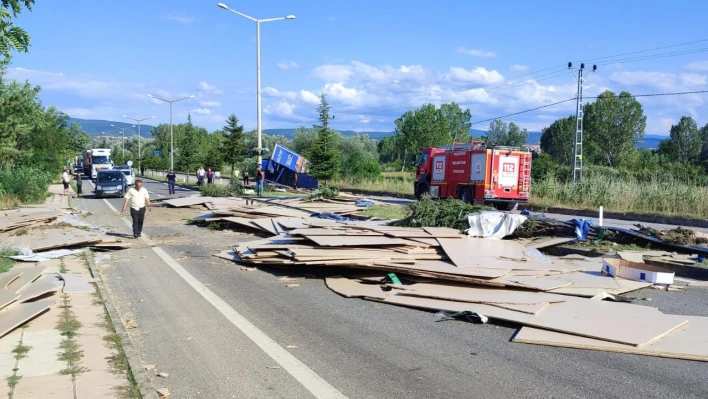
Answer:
[(163, 374), (440, 269), (149, 367), (163, 393), (637, 271)]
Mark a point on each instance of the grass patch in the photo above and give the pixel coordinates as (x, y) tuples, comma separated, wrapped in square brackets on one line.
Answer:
[(384, 185), (9, 201), (386, 211), (658, 197), (7, 263), (62, 266)]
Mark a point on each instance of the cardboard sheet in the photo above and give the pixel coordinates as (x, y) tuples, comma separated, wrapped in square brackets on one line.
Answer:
[(7, 297), (467, 293), (10, 276), (443, 232), (689, 342), (29, 274), (488, 253), (19, 314), (44, 285), (188, 201), (594, 319), (355, 241), (352, 288)]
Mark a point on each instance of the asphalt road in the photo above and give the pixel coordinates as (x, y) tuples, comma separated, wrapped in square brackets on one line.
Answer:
[(362, 349)]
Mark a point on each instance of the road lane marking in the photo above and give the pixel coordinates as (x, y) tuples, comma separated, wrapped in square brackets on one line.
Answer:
[(303, 374), (299, 370)]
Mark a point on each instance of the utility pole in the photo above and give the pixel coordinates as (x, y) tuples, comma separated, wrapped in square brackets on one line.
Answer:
[(578, 147)]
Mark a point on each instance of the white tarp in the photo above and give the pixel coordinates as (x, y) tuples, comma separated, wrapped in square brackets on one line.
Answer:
[(493, 224), (26, 255)]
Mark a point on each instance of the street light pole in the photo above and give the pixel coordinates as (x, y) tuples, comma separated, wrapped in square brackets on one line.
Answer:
[(138, 121), (172, 140), (122, 130), (258, 70)]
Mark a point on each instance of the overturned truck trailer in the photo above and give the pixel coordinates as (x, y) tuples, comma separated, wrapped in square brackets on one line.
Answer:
[(288, 168)]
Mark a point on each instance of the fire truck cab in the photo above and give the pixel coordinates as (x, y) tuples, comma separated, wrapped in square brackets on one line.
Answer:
[(473, 173)]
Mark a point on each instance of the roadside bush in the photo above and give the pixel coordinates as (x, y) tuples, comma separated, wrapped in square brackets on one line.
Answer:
[(324, 191), (28, 184), (233, 189), (442, 213)]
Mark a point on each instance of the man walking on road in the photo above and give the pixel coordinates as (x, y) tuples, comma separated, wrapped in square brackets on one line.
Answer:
[(260, 180), (138, 198), (79, 182), (200, 176), (171, 179)]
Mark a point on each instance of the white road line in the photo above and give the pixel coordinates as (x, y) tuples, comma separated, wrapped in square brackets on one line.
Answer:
[(299, 370), (160, 195), (305, 376), (109, 205)]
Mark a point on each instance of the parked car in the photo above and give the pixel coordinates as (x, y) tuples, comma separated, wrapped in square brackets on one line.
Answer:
[(129, 175), (110, 182)]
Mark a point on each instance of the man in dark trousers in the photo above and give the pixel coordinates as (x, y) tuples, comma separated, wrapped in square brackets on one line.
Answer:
[(210, 176), (171, 180), (138, 198), (260, 181), (79, 182)]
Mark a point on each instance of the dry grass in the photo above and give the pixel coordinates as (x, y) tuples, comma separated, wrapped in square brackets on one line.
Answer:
[(8, 201)]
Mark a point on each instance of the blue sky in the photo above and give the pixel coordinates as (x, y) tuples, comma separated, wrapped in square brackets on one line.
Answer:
[(374, 59)]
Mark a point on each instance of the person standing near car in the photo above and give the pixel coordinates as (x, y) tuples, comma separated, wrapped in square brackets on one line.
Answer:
[(171, 179), (139, 198), (79, 182), (65, 180)]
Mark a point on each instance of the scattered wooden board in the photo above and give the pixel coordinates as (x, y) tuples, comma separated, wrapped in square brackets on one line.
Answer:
[(10, 276), (29, 274), (42, 286), (74, 283), (20, 314), (7, 297), (689, 342), (355, 241), (352, 288)]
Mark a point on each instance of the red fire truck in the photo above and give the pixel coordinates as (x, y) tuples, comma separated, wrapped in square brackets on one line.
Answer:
[(473, 173)]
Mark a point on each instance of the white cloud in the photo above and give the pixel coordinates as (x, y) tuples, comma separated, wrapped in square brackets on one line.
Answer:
[(656, 80), (289, 65), (181, 19), (207, 88), (694, 79), (519, 68), (476, 53), (309, 97), (477, 75), (201, 111), (339, 73), (701, 66), (210, 104), (331, 18)]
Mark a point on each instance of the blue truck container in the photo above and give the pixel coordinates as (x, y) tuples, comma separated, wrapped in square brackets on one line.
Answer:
[(287, 167)]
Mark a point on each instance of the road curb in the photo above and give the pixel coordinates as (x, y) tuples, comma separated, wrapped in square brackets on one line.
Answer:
[(638, 217), (145, 385)]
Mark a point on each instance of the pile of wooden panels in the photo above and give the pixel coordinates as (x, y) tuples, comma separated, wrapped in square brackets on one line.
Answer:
[(344, 205), (24, 293), (26, 218), (556, 301), (51, 237)]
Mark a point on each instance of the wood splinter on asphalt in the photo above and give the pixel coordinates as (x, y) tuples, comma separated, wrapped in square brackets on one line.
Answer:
[(291, 347), (292, 285), (273, 367), (149, 367), (163, 393), (163, 374)]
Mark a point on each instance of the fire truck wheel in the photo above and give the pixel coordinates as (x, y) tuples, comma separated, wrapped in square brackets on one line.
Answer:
[(506, 206), (422, 188), (466, 195)]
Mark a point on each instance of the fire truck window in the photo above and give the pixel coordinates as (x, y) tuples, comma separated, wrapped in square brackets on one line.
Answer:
[(423, 158)]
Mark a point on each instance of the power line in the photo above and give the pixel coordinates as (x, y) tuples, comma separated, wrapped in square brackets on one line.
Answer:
[(525, 111), (592, 97), (498, 85)]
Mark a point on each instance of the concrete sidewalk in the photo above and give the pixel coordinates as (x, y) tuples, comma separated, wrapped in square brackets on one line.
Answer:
[(64, 352)]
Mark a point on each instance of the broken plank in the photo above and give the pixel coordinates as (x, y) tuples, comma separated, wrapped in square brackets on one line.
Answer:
[(19, 314)]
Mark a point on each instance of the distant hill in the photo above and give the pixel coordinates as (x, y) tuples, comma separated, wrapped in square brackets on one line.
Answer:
[(103, 128), (97, 127)]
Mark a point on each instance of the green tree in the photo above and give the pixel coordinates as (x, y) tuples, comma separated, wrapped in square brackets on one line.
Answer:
[(234, 147), (502, 134), (613, 125), (684, 143), (20, 110), (388, 148), (189, 149), (304, 140), (324, 159), (458, 122), (78, 139), (12, 37), (557, 140)]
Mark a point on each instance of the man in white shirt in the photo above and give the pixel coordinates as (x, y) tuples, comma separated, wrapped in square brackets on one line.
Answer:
[(138, 197), (65, 180)]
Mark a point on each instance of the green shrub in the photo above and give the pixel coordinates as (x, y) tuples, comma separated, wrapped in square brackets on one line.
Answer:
[(233, 189), (324, 191), (447, 212), (28, 184)]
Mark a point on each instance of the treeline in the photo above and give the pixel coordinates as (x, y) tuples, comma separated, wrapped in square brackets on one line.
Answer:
[(613, 125), (35, 142)]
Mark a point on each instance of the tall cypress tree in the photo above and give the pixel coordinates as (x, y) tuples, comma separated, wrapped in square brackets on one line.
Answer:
[(189, 150), (324, 159), (234, 146)]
